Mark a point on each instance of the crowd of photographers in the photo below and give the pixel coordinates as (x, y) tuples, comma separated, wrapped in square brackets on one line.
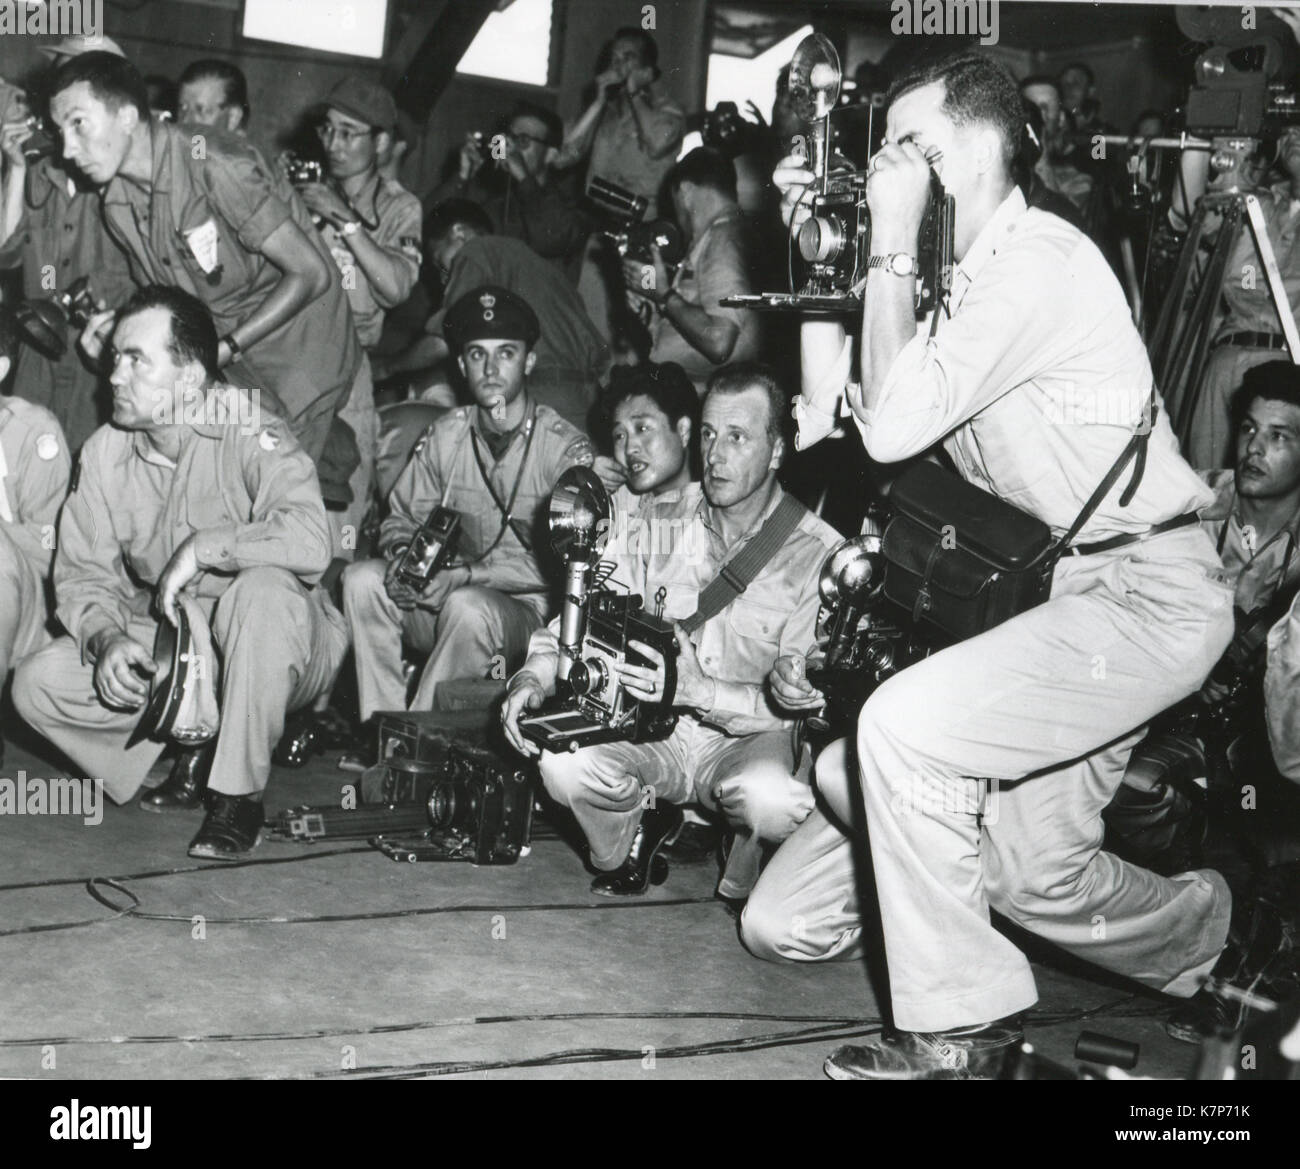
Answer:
[(290, 408)]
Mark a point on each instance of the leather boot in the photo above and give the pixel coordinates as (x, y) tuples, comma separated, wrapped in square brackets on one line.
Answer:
[(644, 866), (185, 787)]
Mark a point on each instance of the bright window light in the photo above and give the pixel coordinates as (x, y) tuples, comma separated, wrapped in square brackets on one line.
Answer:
[(355, 27), (514, 45), (744, 79)]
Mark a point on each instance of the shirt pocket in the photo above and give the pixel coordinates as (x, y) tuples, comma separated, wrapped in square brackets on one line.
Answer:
[(218, 268), (753, 640)]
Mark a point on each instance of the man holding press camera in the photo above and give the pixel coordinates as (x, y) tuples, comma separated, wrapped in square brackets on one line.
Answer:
[(493, 463), (1034, 381), (731, 749)]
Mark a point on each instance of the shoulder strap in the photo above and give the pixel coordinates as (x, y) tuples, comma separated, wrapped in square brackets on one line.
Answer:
[(739, 572), (1136, 449)]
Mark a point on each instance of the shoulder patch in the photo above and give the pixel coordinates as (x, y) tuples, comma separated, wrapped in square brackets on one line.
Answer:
[(47, 447), (268, 440)]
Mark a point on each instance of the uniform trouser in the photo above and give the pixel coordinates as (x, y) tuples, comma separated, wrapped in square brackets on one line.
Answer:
[(280, 646), (1211, 441), (360, 414), (1049, 704), (478, 633), (311, 426), (23, 608), (748, 778)]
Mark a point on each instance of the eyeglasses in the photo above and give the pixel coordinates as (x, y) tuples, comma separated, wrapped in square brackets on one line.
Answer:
[(529, 138), (328, 131)]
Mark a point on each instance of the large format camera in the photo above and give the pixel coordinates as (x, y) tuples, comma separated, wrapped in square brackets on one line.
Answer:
[(834, 243), (596, 626)]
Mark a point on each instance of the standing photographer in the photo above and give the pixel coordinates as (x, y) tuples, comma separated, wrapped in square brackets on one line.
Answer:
[(691, 325), (1034, 381), (494, 463), (52, 227), (731, 750)]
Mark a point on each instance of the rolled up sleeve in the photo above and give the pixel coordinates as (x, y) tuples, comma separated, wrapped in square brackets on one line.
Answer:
[(245, 194)]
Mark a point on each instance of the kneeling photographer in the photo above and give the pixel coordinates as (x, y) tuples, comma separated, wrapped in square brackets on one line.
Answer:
[(731, 749)]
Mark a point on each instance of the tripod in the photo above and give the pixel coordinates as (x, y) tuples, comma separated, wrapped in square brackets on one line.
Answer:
[(1180, 342)]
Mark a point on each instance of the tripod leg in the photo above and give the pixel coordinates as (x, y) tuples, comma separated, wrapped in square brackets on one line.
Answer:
[(1172, 319)]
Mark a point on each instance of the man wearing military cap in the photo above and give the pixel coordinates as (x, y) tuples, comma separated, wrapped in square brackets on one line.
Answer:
[(188, 492), (494, 463)]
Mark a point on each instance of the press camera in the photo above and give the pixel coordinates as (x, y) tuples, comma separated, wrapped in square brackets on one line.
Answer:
[(834, 243), (42, 142), (597, 625)]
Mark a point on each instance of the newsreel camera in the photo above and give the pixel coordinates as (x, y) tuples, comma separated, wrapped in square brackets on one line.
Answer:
[(834, 243), (634, 235), (868, 637), (596, 626)]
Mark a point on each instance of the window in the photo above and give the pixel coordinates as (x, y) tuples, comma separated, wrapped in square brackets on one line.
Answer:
[(513, 45), (743, 79), (355, 27)]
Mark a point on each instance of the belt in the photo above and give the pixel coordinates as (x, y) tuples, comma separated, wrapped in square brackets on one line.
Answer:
[(1179, 521), (1248, 340)]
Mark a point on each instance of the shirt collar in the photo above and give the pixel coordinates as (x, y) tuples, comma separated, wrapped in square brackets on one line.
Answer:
[(1291, 528), (991, 235), (161, 147), (708, 514), (529, 418)]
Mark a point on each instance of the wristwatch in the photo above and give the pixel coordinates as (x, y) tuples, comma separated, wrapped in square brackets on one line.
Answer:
[(898, 263), (350, 228)]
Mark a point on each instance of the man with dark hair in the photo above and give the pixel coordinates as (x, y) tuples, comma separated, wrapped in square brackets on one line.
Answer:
[(652, 412), (34, 470), (189, 493), (691, 326), (212, 92), (731, 749), (631, 131), (206, 213), (1055, 166), (571, 357), (495, 463), (523, 195), (51, 226), (1036, 383)]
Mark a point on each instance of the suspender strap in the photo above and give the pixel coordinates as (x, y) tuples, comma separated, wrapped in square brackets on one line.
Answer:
[(739, 572)]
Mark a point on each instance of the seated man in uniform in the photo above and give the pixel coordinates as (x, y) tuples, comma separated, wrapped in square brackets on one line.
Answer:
[(494, 463), (731, 749), (181, 493), (34, 469)]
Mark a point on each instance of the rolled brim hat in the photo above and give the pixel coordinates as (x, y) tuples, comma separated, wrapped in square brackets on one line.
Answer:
[(365, 100), (75, 46), (490, 312)]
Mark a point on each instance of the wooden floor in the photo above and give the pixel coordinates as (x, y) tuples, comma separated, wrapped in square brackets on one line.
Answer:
[(345, 964)]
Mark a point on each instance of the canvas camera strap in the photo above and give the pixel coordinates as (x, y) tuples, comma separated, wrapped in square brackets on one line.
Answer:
[(739, 572), (505, 507)]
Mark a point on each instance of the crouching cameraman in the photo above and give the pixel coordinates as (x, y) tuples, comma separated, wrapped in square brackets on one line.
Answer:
[(731, 749)]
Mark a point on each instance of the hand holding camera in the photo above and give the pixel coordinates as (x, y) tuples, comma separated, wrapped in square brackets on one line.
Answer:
[(794, 180), (525, 694), (471, 157), (95, 332), (648, 280), (323, 201), (695, 689), (790, 685), (898, 191), (12, 137)]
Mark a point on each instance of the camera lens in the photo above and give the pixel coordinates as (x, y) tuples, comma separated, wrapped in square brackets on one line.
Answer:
[(588, 676), (821, 240), (442, 805)]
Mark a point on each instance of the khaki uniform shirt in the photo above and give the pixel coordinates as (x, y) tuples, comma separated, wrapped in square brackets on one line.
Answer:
[(677, 551), (1258, 571), (444, 471), (199, 225), (1034, 384), (60, 237), (1245, 287), (714, 269), (400, 220), (34, 470), (249, 493)]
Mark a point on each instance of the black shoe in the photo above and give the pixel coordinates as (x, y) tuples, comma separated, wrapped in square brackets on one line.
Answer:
[(967, 1053), (184, 788), (230, 830), (693, 844), (1261, 959), (644, 866), (307, 733)]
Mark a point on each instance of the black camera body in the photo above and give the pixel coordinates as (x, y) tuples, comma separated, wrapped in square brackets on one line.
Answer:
[(301, 171), (42, 143), (591, 704), (430, 549), (44, 323), (637, 240)]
